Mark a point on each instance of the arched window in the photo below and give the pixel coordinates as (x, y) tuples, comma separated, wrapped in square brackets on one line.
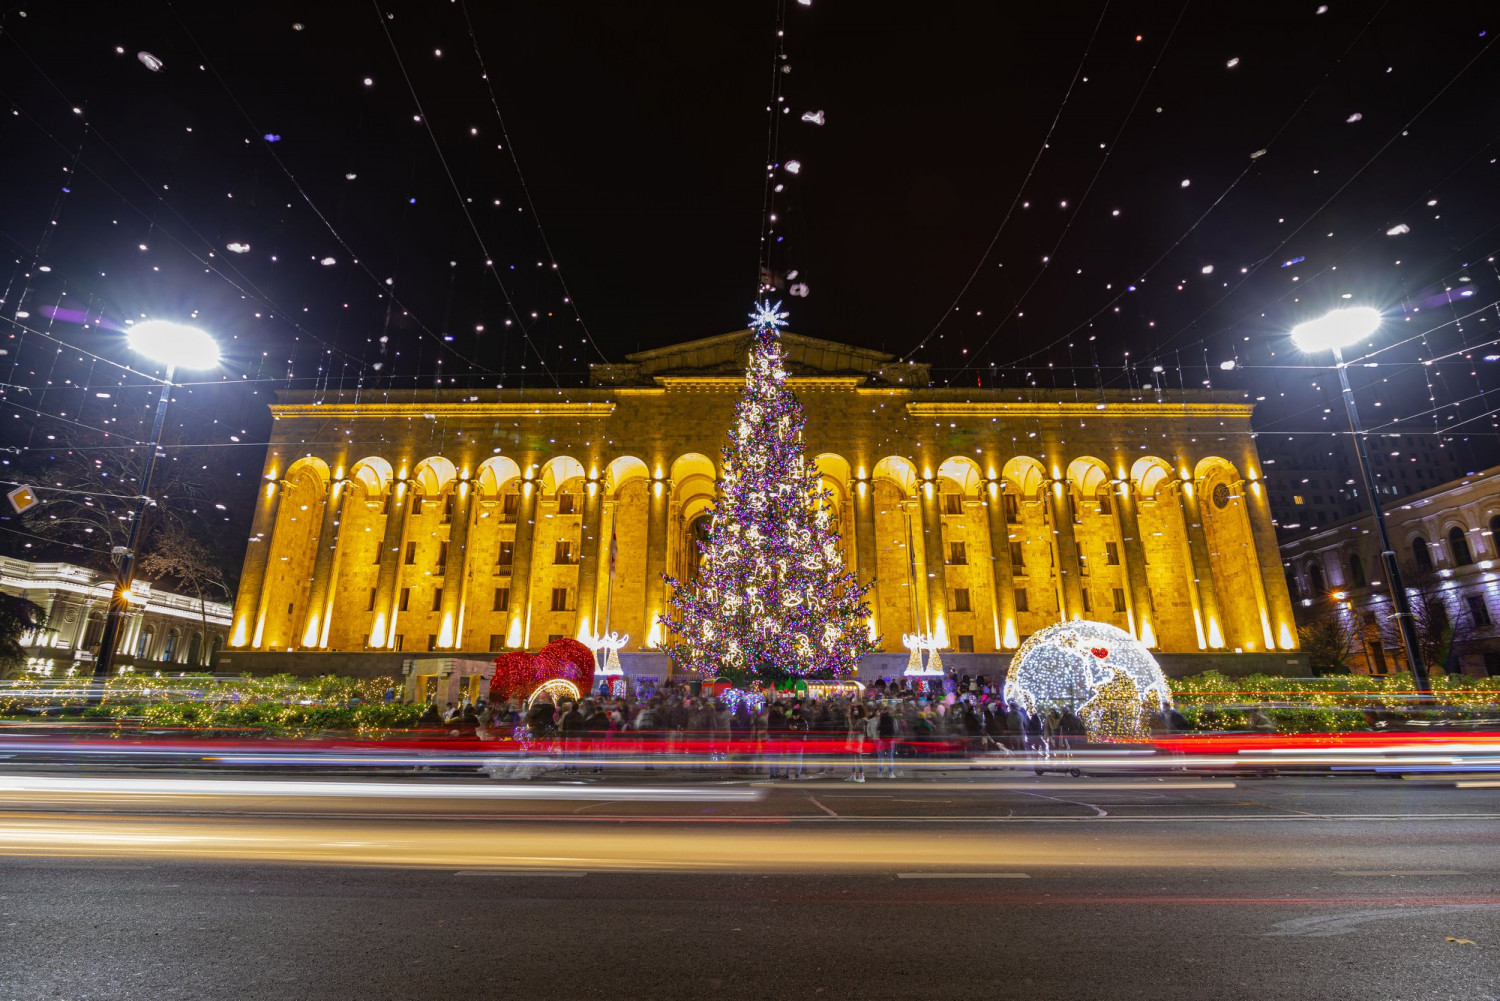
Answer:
[(1421, 556), (169, 650), (195, 646), (1459, 547), (1356, 571), (214, 646), (1315, 578), (1294, 586), (143, 645), (1495, 534)]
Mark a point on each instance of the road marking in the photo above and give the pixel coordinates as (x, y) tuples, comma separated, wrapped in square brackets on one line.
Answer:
[(1329, 925), (1486, 784), (1400, 872), (820, 806), (962, 875), (560, 873)]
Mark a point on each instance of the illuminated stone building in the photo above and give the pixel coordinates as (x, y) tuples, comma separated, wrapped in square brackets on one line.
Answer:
[(449, 521)]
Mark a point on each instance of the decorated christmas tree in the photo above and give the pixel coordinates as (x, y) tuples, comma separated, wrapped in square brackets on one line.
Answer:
[(773, 598)]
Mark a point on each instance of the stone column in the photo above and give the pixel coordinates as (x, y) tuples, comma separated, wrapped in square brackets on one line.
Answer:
[(1070, 585), (590, 526), (456, 568), (1276, 601), (863, 492), (936, 562), (249, 604), (1200, 566), (520, 570), (656, 560), (1007, 632), (397, 519), (320, 593), (1133, 553)]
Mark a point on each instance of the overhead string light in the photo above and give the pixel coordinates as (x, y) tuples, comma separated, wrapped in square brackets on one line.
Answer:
[(775, 270)]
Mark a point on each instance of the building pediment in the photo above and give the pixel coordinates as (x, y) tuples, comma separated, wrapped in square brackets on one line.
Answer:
[(725, 355)]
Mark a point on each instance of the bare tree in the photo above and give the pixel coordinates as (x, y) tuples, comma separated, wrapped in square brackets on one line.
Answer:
[(1328, 640), (1439, 631), (179, 559)]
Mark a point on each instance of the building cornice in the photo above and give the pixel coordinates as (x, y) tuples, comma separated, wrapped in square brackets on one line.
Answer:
[(1238, 411), (432, 409)]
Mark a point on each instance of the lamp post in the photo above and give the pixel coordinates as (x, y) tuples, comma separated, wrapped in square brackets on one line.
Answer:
[(169, 344), (1335, 331)]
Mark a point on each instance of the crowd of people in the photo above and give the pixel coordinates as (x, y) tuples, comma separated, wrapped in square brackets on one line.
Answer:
[(787, 735)]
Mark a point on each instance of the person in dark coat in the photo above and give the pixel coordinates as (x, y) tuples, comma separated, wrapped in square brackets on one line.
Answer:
[(430, 717)]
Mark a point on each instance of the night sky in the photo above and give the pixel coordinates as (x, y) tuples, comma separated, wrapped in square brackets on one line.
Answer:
[(1061, 195)]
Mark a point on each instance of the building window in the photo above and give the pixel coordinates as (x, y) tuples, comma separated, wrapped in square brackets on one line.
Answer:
[(1012, 509), (1112, 553), (507, 554), (961, 599), (965, 644), (1293, 586), (1073, 509), (502, 600), (953, 504), (1459, 546), (371, 606), (1298, 499), (563, 552), (1083, 564), (497, 642), (1105, 505), (1088, 600), (416, 506), (1119, 594), (405, 598), (1017, 558), (448, 509), (958, 554), (1356, 571), (509, 506), (442, 560), (400, 642), (559, 599), (1492, 663), (1315, 576), (1021, 603), (431, 642), (437, 599), (1494, 531), (554, 637), (565, 503), (411, 553), (1421, 556), (1478, 610)]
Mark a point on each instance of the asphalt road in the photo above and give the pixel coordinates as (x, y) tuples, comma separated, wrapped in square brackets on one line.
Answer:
[(1162, 889)]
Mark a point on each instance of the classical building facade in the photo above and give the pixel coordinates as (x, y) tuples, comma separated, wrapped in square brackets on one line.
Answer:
[(455, 521), (1446, 542), (162, 631)]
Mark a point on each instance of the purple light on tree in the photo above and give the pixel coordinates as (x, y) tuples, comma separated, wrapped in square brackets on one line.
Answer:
[(773, 598)]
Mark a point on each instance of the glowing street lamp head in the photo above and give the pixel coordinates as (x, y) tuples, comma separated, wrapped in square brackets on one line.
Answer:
[(173, 344), (1337, 329)]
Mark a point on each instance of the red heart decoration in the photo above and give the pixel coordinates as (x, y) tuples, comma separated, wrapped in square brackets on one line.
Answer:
[(1100, 652), (517, 674)]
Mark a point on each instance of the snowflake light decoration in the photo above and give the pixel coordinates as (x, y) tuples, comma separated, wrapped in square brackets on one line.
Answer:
[(1094, 669), (767, 316)]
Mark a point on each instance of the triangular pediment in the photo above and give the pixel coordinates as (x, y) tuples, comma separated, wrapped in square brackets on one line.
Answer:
[(725, 355)]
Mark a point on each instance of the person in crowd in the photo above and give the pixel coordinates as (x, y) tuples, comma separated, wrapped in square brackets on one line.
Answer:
[(883, 728), (855, 742)]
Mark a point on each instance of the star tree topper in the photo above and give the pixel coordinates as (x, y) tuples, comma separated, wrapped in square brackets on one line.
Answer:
[(768, 316)]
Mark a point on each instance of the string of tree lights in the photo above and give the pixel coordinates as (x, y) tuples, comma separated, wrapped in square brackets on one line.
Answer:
[(973, 360)]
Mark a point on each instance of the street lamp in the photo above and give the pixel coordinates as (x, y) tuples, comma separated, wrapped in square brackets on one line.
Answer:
[(1335, 331), (172, 345)]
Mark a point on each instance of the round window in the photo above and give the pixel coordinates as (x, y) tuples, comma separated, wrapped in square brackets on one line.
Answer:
[(1221, 496)]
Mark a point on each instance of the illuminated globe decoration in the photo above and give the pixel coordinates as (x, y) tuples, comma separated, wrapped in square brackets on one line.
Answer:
[(1098, 671)]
